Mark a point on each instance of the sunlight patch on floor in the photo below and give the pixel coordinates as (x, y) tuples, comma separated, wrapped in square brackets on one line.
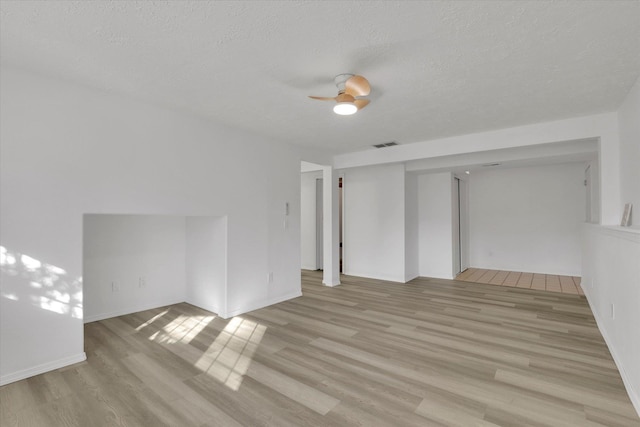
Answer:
[(182, 329), (150, 321), (228, 358)]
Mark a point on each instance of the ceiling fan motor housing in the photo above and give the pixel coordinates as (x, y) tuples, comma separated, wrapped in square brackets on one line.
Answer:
[(340, 81)]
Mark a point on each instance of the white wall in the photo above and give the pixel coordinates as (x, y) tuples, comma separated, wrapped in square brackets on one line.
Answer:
[(282, 237), (436, 226), (611, 281), (629, 122), (374, 222), (610, 267), (119, 250), (308, 219), (527, 219), (411, 228), (68, 150), (206, 262)]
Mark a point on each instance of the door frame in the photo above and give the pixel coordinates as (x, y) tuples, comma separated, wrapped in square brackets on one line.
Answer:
[(319, 224), (460, 224)]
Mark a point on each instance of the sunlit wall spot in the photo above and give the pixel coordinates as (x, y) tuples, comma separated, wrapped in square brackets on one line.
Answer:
[(49, 287), (30, 264)]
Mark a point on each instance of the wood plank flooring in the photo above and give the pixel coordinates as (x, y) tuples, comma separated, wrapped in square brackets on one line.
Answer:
[(541, 282), (368, 352)]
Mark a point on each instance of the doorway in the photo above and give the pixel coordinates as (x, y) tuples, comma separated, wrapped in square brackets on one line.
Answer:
[(340, 221), (319, 224), (460, 226), (587, 184)]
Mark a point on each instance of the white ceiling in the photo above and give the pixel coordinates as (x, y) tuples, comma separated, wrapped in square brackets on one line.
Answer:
[(437, 69)]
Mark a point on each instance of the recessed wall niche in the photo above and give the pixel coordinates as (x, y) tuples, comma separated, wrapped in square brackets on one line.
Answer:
[(137, 262)]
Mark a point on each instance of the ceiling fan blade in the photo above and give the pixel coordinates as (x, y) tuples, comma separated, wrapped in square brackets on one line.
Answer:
[(322, 98), (361, 103), (344, 97), (357, 86)]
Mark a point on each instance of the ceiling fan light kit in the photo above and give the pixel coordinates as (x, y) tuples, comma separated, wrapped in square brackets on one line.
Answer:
[(345, 108), (351, 89)]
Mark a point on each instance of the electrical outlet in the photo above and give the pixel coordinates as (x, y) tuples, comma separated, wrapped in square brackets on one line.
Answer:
[(142, 282), (115, 286), (270, 277)]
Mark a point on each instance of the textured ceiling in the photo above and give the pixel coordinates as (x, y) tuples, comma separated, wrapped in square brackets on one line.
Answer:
[(436, 68)]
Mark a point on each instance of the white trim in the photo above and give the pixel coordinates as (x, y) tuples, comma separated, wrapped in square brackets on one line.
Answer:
[(260, 304), (626, 233), (407, 279), (617, 231), (41, 369), (213, 309), (398, 279), (129, 310), (633, 395), (332, 284)]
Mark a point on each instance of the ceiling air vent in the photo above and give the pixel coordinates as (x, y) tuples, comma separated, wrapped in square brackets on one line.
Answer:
[(386, 144)]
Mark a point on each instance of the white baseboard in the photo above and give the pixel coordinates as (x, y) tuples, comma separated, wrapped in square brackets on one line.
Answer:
[(132, 309), (214, 309), (633, 395), (410, 278), (41, 369), (380, 277), (331, 284), (240, 310), (260, 304), (435, 276)]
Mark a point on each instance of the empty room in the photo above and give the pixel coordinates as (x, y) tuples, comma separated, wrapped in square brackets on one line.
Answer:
[(311, 213)]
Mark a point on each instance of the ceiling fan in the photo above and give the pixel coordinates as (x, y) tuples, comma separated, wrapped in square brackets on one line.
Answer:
[(351, 88)]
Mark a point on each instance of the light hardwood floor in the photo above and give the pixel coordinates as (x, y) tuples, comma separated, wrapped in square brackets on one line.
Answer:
[(372, 353), (517, 279)]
